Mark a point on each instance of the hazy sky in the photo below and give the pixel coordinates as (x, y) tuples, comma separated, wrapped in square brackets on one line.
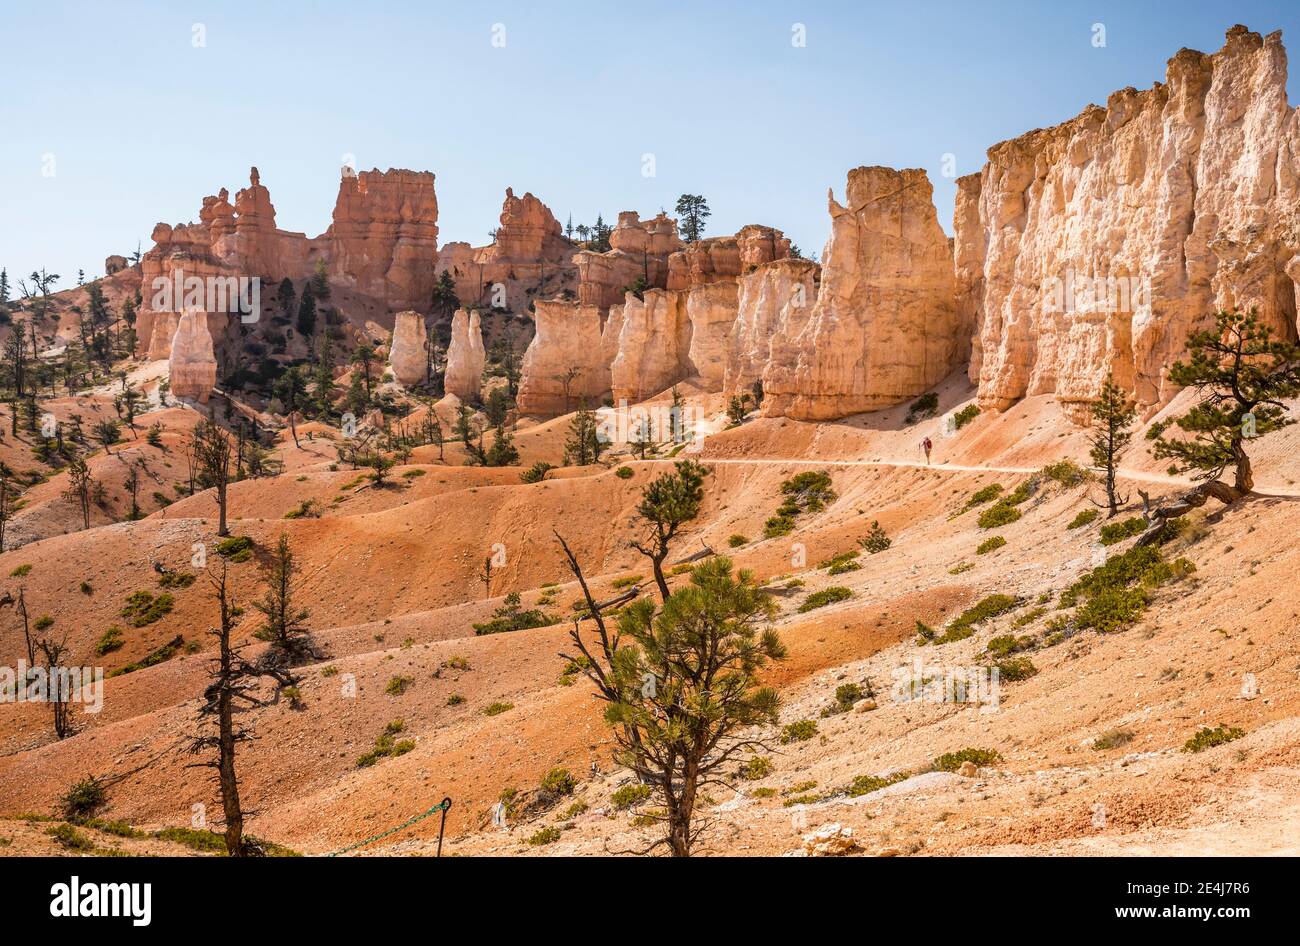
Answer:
[(113, 118)]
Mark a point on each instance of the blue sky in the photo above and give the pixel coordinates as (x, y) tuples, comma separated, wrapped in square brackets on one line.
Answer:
[(141, 123)]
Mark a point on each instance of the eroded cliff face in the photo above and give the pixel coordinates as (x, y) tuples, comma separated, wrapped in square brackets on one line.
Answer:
[(884, 327), (465, 357), (529, 260), (773, 305), (1096, 246), (383, 242), (564, 366), (381, 247), (639, 249), (192, 362), (653, 345)]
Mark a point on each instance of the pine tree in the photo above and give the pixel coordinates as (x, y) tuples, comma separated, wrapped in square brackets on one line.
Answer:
[(682, 688), (584, 444), (667, 503), (1113, 413), (693, 210), (1243, 377), (307, 312)]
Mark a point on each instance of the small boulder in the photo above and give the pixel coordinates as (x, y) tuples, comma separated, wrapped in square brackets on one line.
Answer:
[(832, 840)]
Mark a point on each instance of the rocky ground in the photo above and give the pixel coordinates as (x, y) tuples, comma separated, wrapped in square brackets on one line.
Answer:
[(390, 577)]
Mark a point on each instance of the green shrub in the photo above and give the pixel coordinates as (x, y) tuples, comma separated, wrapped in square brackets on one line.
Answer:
[(844, 562), (1001, 513), (866, 784), (876, 540), (800, 731), (176, 579), (386, 746), (630, 795), (951, 761), (307, 509), (624, 473), (166, 652), (577, 808), (984, 495), (777, 526), (511, 616), (455, 699), (70, 837), (537, 472), (496, 709), (83, 799), (627, 581), (237, 548), (811, 490), (559, 781), (198, 839), (22, 571), (1084, 517), (1207, 738), (143, 609), (1113, 532), (819, 599), (756, 767), (961, 567), (1115, 593), (965, 415), (924, 406), (736, 540), (398, 685), (1066, 473), (1008, 644), (1014, 669), (110, 641), (963, 625), (988, 545)]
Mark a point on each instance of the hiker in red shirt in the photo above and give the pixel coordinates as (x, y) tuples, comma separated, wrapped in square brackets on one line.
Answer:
[(927, 446)]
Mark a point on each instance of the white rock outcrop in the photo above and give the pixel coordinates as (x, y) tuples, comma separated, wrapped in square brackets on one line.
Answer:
[(465, 356)]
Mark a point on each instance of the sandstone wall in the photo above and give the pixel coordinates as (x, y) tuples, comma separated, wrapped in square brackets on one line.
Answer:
[(711, 310), (885, 326), (383, 241), (653, 345), (1183, 196), (774, 303), (564, 365), (192, 364)]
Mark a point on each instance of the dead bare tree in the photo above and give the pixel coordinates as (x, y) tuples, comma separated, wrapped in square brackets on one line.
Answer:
[(57, 684), (232, 688)]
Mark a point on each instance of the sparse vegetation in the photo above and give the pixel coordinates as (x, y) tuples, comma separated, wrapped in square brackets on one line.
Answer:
[(1112, 739), (952, 761), (876, 540), (820, 599), (1084, 517), (989, 544), (963, 625), (965, 416), (1207, 738), (1113, 532), (143, 609), (736, 540), (800, 731)]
